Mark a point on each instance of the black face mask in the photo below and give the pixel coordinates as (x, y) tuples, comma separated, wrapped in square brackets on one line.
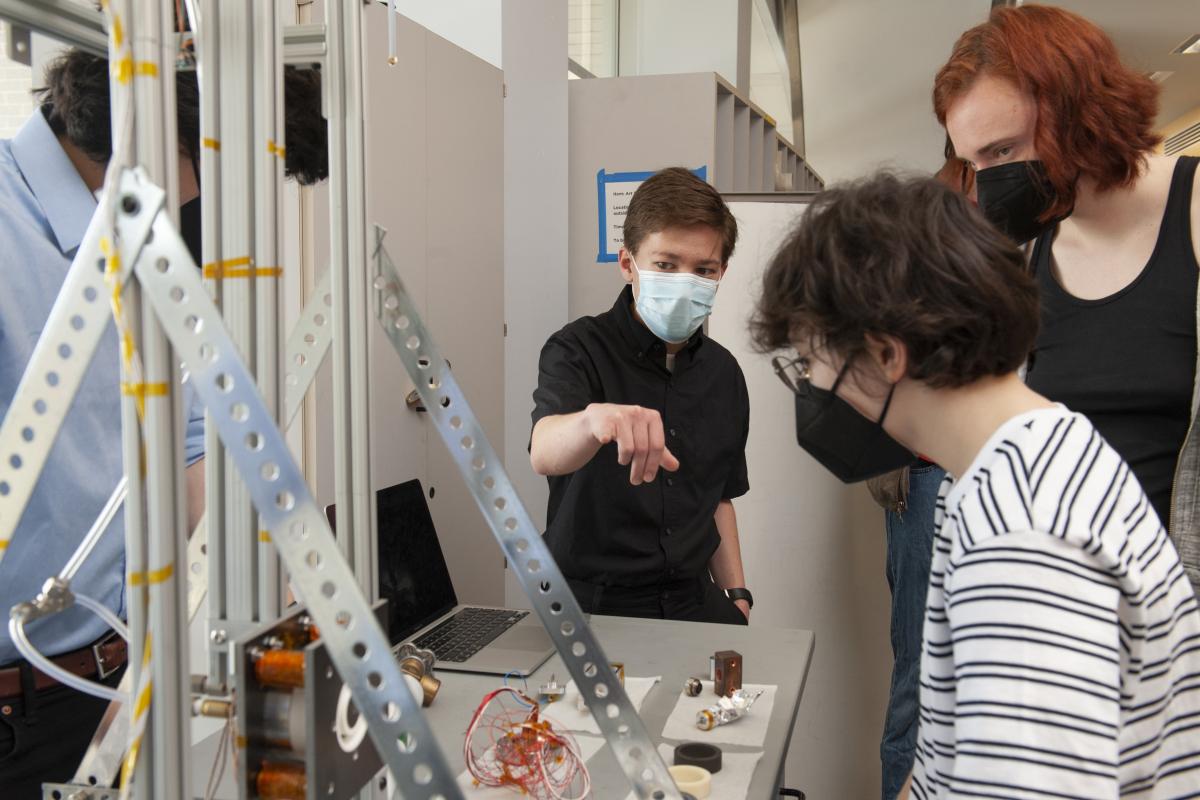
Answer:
[(844, 441), (189, 227), (1014, 196), (189, 221)]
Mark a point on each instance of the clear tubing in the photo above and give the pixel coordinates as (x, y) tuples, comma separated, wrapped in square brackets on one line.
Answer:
[(16, 630)]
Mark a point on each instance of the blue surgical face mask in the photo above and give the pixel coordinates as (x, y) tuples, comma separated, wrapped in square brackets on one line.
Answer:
[(673, 306)]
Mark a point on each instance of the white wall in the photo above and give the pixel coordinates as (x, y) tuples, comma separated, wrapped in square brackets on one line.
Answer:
[(813, 549), (473, 25), (868, 68), (535, 225)]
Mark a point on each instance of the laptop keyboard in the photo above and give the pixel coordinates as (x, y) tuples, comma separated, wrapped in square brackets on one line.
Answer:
[(468, 632)]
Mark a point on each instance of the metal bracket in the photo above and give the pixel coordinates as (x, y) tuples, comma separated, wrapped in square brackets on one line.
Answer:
[(357, 644), (307, 347), (519, 539), (20, 47), (68, 341)]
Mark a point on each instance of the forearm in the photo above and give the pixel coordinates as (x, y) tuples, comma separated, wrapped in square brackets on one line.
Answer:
[(193, 478), (726, 563), (562, 444)]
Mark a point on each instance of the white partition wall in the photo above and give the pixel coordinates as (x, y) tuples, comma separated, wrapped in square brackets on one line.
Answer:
[(435, 180), (813, 548)]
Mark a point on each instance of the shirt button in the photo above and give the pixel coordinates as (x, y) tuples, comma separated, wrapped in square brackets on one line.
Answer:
[(672, 431), (667, 531), (670, 481)]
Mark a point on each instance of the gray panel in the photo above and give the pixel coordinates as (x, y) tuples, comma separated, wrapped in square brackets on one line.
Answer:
[(465, 288), (624, 124), (723, 171), (434, 163)]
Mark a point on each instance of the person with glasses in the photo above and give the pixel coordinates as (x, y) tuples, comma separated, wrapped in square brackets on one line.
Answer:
[(1061, 635), (640, 423), (1054, 137)]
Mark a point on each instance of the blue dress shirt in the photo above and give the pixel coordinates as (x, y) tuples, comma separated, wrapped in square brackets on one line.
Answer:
[(45, 208)]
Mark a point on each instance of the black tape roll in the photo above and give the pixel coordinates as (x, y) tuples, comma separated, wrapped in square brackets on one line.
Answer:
[(699, 754)]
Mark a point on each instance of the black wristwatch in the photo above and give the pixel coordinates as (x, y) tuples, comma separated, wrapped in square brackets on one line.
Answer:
[(741, 593)]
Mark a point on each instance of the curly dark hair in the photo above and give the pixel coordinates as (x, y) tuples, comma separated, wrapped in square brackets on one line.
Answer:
[(75, 102), (906, 257)]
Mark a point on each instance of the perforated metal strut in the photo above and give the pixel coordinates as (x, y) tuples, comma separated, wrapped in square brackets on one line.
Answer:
[(320, 575), (520, 540)]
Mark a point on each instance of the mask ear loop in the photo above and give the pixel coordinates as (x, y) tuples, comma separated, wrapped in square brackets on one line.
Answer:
[(886, 404)]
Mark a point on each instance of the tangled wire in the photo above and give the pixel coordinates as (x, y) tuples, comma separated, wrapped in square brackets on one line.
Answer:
[(507, 744)]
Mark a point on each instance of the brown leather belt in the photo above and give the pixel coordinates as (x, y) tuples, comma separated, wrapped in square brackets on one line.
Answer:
[(99, 659)]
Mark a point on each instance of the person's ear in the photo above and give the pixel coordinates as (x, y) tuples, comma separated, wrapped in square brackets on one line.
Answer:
[(890, 356), (625, 259)]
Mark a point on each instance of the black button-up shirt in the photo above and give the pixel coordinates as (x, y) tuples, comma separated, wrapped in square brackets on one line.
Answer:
[(604, 530)]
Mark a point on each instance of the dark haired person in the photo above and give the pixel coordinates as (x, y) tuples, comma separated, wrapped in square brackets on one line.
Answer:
[(1055, 138), (640, 423), (48, 174), (1061, 637)]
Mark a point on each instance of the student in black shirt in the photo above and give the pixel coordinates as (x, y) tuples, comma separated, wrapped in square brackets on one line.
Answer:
[(640, 423)]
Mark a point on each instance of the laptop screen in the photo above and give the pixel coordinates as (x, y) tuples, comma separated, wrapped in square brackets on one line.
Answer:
[(413, 577)]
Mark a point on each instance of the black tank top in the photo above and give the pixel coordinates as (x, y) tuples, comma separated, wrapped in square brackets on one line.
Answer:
[(1128, 361)]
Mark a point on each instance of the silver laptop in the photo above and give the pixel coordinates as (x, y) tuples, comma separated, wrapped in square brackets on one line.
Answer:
[(423, 608)]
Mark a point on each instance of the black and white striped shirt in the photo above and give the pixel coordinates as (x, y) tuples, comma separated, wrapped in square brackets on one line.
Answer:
[(1062, 637)]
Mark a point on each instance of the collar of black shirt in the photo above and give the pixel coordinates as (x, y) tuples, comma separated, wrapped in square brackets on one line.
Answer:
[(642, 342)]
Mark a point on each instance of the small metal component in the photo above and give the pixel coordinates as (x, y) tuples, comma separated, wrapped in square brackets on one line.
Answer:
[(726, 672), (619, 670), (692, 687), (217, 637), (220, 709), (551, 692), (418, 663), (727, 709)]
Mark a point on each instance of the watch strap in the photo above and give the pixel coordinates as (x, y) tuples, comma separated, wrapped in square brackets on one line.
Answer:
[(740, 593)]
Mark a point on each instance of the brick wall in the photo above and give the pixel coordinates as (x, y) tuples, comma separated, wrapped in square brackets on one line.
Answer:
[(15, 83)]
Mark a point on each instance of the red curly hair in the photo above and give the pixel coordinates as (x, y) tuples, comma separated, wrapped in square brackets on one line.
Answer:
[(1095, 115)]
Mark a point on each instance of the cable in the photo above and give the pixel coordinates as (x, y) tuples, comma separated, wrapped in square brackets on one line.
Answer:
[(16, 630), (99, 526), (105, 613)]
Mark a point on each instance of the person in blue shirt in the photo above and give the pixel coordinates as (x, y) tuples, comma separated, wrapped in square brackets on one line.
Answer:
[(49, 174)]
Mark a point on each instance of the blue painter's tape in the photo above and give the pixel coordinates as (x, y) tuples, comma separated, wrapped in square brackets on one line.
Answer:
[(602, 180)]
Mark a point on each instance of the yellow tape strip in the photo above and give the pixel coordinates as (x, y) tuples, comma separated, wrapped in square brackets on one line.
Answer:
[(220, 273), (218, 269), (3, 543), (142, 390), (264, 536), (125, 69), (153, 577), (118, 30), (275, 149), (212, 144), (143, 703)]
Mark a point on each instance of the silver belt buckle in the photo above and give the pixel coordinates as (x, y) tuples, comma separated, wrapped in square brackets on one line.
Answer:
[(101, 671)]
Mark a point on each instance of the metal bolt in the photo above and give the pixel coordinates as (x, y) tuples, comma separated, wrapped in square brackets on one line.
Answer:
[(217, 637)]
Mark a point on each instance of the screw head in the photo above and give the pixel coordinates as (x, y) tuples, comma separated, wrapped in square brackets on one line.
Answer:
[(217, 637)]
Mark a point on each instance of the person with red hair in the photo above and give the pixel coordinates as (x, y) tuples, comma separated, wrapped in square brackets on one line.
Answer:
[(1058, 136)]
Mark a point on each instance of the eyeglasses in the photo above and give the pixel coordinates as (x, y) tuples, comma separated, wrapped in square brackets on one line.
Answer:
[(794, 372)]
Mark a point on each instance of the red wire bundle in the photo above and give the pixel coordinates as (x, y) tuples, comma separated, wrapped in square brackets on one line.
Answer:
[(509, 745)]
